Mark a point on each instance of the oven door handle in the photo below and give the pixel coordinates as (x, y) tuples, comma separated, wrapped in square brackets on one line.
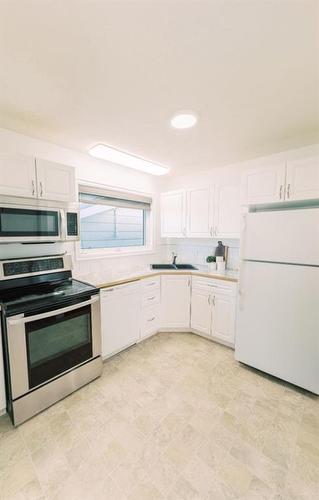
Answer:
[(15, 320)]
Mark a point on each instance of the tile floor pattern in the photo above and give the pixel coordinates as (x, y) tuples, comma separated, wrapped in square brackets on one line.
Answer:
[(174, 417)]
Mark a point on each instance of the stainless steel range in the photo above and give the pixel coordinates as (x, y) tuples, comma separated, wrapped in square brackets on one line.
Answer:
[(51, 333)]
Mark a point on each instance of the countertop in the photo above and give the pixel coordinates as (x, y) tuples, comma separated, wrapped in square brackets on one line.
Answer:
[(104, 280)]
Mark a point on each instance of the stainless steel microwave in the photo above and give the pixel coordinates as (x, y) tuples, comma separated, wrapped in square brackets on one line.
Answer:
[(28, 224)]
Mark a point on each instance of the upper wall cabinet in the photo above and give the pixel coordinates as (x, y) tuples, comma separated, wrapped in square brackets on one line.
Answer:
[(204, 212), (173, 214), (302, 182), (200, 215), (55, 181), (264, 185), (227, 212), (18, 176), (25, 176), (297, 180)]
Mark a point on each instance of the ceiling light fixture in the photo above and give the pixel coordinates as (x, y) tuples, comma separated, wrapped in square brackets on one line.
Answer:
[(127, 160), (184, 120)]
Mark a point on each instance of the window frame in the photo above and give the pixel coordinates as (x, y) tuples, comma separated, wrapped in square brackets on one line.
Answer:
[(99, 253)]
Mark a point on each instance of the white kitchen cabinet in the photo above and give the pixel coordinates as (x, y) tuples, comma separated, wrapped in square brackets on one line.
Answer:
[(227, 212), (18, 176), (199, 213), (173, 214), (201, 311), (120, 317), (223, 316), (150, 321), (213, 308), (302, 182), (25, 176), (264, 184), (175, 302), (55, 181)]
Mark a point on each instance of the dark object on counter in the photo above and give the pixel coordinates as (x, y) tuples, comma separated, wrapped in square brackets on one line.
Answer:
[(221, 251)]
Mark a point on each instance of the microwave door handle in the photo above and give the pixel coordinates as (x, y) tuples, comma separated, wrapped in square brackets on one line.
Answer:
[(18, 319), (63, 231)]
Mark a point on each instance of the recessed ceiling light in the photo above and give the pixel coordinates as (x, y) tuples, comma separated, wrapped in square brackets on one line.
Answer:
[(127, 160), (184, 120)]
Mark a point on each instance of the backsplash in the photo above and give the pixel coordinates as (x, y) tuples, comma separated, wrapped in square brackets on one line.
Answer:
[(196, 251)]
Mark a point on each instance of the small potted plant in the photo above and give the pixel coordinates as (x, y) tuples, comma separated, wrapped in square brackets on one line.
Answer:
[(211, 261)]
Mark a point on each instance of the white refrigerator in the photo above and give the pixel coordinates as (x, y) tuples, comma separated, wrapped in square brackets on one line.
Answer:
[(278, 315)]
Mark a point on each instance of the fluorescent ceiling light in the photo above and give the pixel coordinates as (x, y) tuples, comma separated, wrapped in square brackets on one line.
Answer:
[(127, 160), (184, 120)]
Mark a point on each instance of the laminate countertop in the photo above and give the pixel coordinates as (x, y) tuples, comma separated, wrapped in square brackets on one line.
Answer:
[(101, 281)]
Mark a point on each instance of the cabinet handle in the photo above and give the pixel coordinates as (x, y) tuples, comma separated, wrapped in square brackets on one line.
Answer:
[(151, 319), (280, 192), (151, 284), (209, 299), (151, 298), (214, 300), (108, 290), (288, 191), (211, 231), (215, 231), (189, 282), (41, 189), (33, 188)]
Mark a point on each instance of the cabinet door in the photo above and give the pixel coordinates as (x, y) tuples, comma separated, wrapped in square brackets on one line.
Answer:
[(199, 208), (201, 311), (303, 179), (175, 301), (17, 176), (227, 212), (120, 315), (55, 181), (173, 214), (264, 185), (223, 317)]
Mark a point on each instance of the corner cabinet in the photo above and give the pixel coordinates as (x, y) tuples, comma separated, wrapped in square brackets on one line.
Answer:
[(173, 214), (175, 302), (28, 177)]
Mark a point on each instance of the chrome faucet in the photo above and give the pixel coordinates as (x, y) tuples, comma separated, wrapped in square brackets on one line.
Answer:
[(174, 257)]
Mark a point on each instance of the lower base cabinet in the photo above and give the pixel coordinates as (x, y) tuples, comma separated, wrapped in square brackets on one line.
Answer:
[(134, 311), (213, 310)]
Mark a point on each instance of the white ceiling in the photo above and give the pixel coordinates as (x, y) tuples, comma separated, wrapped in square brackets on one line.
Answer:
[(78, 72)]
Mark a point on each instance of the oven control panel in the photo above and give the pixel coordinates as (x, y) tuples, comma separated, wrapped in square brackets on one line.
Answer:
[(32, 266)]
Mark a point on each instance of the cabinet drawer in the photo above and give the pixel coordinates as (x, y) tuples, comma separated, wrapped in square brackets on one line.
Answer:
[(208, 284), (151, 298), (150, 284), (150, 321)]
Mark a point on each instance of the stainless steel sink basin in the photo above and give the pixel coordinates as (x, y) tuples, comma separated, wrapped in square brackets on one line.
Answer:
[(185, 266), (173, 266), (163, 266)]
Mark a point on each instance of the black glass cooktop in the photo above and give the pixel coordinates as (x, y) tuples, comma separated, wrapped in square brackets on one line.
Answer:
[(31, 298)]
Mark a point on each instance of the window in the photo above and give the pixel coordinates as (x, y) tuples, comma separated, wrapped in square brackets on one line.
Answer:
[(113, 221)]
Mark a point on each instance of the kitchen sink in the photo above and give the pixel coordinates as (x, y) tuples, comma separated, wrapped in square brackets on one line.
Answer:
[(173, 266)]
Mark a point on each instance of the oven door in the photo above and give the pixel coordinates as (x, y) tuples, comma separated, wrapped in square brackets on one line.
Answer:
[(44, 346), (27, 224)]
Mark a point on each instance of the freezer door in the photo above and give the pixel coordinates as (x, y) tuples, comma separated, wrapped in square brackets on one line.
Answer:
[(290, 236), (278, 322)]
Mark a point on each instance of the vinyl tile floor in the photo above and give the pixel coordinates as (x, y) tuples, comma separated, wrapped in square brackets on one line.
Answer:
[(175, 417)]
